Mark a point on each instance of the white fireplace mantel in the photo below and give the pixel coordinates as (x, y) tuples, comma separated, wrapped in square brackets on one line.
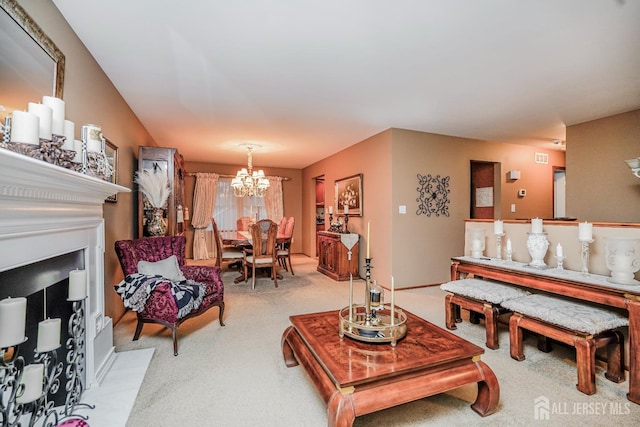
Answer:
[(46, 211)]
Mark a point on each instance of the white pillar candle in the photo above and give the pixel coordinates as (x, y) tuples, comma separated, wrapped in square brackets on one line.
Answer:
[(536, 225), (346, 209), (498, 227), (13, 318), (77, 147), (32, 379), (69, 134), (559, 250), (585, 231), (58, 113), (350, 297), (45, 114), (77, 285), (48, 335), (330, 210), (25, 127), (368, 238), (508, 244)]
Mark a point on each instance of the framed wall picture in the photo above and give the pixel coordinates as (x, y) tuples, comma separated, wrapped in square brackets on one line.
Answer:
[(111, 152), (348, 194)]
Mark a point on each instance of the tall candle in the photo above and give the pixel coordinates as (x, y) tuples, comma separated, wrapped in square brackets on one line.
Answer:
[(536, 225), (77, 147), (13, 318), (368, 238), (330, 210), (32, 379), (498, 227), (585, 231), (559, 250), (508, 244), (48, 335), (350, 297), (77, 285), (58, 112), (346, 209), (69, 134), (393, 304), (25, 127), (45, 114)]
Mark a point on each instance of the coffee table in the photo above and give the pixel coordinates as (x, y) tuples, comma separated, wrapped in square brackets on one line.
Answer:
[(356, 378)]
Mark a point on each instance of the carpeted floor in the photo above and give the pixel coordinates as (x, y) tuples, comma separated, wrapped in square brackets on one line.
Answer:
[(235, 375)]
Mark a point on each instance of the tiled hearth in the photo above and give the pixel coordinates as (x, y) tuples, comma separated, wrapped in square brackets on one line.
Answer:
[(48, 212)]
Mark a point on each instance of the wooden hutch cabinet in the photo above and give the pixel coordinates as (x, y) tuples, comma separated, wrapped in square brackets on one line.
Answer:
[(333, 257), (169, 161)]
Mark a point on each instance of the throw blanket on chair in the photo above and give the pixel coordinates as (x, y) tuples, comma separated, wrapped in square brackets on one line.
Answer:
[(136, 288)]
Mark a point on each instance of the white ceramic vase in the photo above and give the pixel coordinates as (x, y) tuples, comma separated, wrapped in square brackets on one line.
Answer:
[(623, 259), (537, 245)]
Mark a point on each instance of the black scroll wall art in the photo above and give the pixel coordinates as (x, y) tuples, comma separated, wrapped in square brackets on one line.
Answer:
[(433, 195)]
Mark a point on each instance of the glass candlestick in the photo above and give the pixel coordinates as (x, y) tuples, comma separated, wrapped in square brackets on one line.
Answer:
[(499, 245), (560, 260), (584, 255)]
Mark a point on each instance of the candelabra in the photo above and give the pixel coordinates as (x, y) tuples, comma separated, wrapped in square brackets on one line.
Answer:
[(584, 255), (330, 221), (75, 360), (499, 245), (346, 223)]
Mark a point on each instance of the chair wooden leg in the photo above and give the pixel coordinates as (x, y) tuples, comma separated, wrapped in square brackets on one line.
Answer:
[(274, 274), (174, 334), (136, 335), (221, 305), (290, 266), (253, 276)]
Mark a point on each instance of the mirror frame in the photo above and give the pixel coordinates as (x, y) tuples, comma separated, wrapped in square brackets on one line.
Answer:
[(22, 18)]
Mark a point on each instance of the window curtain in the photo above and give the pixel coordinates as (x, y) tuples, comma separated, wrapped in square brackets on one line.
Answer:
[(204, 200), (273, 199)]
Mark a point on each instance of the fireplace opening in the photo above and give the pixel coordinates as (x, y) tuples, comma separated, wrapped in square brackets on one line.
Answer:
[(45, 285)]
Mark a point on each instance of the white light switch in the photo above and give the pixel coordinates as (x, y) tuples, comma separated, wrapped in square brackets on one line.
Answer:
[(513, 207), (402, 209)]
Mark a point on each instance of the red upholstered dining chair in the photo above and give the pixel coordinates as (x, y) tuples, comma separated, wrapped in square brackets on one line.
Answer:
[(242, 223), (156, 254), (262, 254), (284, 246)]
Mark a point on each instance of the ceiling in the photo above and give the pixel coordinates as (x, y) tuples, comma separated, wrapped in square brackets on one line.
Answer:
[(305, 79)]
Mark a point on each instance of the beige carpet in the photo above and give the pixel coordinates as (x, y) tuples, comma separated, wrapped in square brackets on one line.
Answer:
[(235, 375)]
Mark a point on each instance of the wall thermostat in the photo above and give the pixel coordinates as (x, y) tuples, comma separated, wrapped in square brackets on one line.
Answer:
[(522, 192)]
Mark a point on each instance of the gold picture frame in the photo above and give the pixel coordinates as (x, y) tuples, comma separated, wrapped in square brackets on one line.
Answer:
[(349, 190)]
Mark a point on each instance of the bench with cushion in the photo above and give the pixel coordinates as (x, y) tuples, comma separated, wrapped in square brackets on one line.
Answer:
[(583, 326), (479, 296)]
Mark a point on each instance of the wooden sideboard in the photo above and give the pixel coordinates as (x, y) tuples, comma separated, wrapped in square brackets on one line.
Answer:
[(333, 257), (591, 287)]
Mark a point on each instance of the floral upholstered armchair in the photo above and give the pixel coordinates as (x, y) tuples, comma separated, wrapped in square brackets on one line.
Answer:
[(161, 288)]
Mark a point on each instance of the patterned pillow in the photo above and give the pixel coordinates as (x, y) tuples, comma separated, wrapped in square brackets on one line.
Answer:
[(167, 268)]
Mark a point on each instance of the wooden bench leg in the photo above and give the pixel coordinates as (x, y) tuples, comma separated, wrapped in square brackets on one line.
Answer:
[(615, 358), (491, 314), (515, 338), (450, 312), (585, 361), (474, 317), (544, 344)]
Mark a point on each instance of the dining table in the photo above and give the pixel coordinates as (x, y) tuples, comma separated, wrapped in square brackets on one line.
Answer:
[(242, 239)]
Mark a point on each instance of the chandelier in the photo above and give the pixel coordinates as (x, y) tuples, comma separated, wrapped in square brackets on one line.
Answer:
[(248, 182)]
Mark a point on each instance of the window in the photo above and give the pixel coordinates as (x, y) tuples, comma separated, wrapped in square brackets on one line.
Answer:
[(229, 207)]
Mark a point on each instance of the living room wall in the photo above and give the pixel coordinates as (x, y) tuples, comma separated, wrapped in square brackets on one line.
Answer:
[(600, 186), (90, 97)]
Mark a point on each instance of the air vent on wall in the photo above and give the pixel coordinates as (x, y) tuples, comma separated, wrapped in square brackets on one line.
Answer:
[(541, 158)]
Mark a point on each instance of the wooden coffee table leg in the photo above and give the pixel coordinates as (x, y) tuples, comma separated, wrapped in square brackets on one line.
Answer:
[(340, 410), (287, 351), (488, 391)]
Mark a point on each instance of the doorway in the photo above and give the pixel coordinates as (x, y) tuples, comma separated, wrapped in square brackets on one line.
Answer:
[(319, 206), (485, 190), (559, 192)]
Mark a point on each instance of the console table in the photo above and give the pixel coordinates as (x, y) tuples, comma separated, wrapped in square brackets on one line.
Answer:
[(574, 284), (334, 258)]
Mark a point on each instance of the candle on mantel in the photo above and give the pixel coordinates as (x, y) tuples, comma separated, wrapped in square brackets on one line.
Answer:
[(559, 250), (77, 285), (48, 335), (498, 227), (536, 225), (585, 231), (393, 304), (45, 115), (368, 238), (69, 135), (32, 379), (508, 244), (25, 127), (13, 318), (57, 113)]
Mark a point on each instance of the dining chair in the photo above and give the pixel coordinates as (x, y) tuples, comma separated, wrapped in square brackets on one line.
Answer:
[(283, 225), (284, 247), (262, 254), (226, 252), (242, 223)]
